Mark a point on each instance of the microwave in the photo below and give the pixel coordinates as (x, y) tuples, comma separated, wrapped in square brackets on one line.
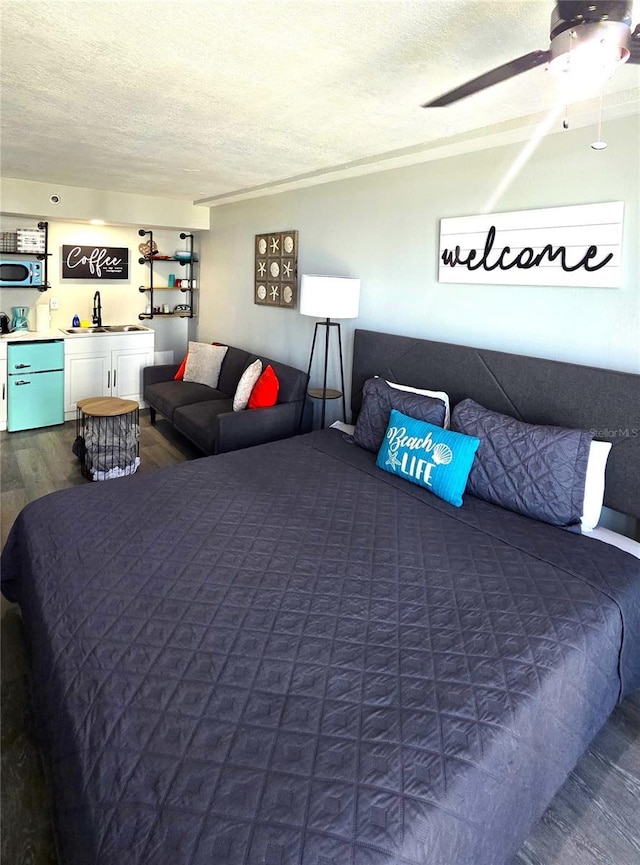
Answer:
[(16, 272)]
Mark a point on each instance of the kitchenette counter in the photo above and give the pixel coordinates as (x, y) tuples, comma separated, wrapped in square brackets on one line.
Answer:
[(60, 333), (96, 362), (29, 335)]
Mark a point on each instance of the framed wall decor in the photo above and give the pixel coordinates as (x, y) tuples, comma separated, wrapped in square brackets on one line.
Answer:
[(276, 269), (574, 245), (95, 262)]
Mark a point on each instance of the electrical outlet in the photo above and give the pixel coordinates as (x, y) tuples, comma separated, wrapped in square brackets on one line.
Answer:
[(54, 303)]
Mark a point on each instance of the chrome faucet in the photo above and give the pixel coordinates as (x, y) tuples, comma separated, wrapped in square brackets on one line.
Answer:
[(97, 310)]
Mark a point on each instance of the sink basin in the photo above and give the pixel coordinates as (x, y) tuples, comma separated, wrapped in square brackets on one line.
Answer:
[(84, 330), (106, 328)]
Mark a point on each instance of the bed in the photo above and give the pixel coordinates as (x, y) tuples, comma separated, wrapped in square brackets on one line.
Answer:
[(286, 655)]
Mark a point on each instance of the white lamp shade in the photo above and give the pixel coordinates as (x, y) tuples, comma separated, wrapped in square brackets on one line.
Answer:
[(329, 296)]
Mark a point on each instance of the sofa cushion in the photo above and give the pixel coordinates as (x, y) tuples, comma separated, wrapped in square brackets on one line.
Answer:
[(197, 421), (265, 393), (166, 396), (180, 373), (234, 364), (293, 382), (204, 362), (247, 380)]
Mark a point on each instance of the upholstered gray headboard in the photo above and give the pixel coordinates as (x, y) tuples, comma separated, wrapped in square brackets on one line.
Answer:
[(529, 388)]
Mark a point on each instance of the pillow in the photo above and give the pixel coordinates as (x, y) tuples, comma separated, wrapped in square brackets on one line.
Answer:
[(204, 362), (378, 398), (265, 392), (435, 394), (247, 380), (538, 471), (594, 485), (180, 373), (428, 455)]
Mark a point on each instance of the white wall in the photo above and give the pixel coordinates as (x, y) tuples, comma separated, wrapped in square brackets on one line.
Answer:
[(121, 300), (31, 199), (383, 228)]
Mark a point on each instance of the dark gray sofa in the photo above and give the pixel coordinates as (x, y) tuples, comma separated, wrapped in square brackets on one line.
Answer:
[(205, 415)]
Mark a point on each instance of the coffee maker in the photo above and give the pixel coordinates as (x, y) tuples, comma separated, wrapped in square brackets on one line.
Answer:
[(19, 320)]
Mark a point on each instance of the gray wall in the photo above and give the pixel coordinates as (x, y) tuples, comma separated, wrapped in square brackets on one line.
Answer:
[(384, 227)]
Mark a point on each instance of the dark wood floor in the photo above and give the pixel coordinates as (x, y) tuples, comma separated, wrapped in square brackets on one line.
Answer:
[(593, 820)]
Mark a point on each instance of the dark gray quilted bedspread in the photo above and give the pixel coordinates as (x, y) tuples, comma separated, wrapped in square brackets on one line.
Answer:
[(283, 655)]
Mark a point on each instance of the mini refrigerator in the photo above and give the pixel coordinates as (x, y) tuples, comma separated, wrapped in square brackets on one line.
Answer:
[(35, 380)]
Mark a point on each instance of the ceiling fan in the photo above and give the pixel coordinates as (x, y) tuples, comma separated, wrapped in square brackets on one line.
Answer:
[(583, 35)]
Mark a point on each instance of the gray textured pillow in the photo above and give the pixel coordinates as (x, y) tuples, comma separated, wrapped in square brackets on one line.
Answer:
[(247, 381), (378, 398), (538, 471), (204, 362)]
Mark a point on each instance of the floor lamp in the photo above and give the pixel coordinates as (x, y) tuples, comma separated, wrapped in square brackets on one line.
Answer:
[(328, 297)]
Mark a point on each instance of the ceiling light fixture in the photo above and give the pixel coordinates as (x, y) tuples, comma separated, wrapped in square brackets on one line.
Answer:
[(591, 53), (587, 38)]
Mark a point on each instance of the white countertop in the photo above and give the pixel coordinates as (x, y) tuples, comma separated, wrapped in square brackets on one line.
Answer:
[(56, 333), (32, 335)]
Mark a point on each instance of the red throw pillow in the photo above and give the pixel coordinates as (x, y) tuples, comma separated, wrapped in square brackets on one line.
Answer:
[(180, 374), (265, 390)]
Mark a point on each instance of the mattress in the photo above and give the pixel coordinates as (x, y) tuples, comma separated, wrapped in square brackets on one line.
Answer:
[(284, 655)]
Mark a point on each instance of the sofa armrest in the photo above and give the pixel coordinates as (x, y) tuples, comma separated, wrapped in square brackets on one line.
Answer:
[(243, 429), (161, 372)]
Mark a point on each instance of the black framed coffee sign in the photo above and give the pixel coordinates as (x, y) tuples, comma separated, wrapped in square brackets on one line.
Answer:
[(95, 262)]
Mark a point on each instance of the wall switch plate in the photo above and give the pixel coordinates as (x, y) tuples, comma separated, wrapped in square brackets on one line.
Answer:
[(54, 303)]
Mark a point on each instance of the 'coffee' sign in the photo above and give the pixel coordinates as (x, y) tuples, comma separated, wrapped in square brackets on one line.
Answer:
[(95, 262), (580, 245)]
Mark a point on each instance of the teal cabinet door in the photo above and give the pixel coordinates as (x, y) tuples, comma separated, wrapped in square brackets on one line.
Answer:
[(35, 400)]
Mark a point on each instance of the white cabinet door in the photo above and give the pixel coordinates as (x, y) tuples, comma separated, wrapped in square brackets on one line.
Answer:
[(87, 374), (105, 365), (126, 370), (3, 385)]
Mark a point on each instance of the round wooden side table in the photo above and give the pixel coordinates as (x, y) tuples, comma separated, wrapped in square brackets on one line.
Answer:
[(107, 437)]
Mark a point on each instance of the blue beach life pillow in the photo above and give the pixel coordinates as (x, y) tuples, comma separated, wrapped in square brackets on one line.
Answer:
[(439, 460)]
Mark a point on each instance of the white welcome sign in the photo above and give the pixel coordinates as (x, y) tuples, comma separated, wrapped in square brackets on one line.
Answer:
[(579, 245)]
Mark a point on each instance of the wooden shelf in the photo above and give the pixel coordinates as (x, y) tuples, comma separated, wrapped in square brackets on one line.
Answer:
[(165, 288), (186, 288), (144, 315), (320, 393), (39, 255), (146, 258)]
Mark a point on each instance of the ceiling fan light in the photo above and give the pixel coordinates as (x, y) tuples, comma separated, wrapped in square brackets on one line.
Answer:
[(590, 53)]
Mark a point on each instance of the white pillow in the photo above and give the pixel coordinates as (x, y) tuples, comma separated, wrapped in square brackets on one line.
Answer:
[(247, 381), (204, 362), (594, 485), (435, 394), (347, 428)]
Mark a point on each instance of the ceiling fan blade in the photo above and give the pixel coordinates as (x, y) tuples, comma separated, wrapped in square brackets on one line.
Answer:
[(495, 76), (634, 46)]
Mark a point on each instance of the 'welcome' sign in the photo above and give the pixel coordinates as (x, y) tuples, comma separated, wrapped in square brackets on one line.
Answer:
[(580, 245)]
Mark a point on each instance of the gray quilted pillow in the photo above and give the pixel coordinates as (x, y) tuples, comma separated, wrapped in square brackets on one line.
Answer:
[(378, 398), (538, 471)]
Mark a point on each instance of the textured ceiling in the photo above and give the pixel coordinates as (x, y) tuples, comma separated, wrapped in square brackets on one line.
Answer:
[(203, 98)]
